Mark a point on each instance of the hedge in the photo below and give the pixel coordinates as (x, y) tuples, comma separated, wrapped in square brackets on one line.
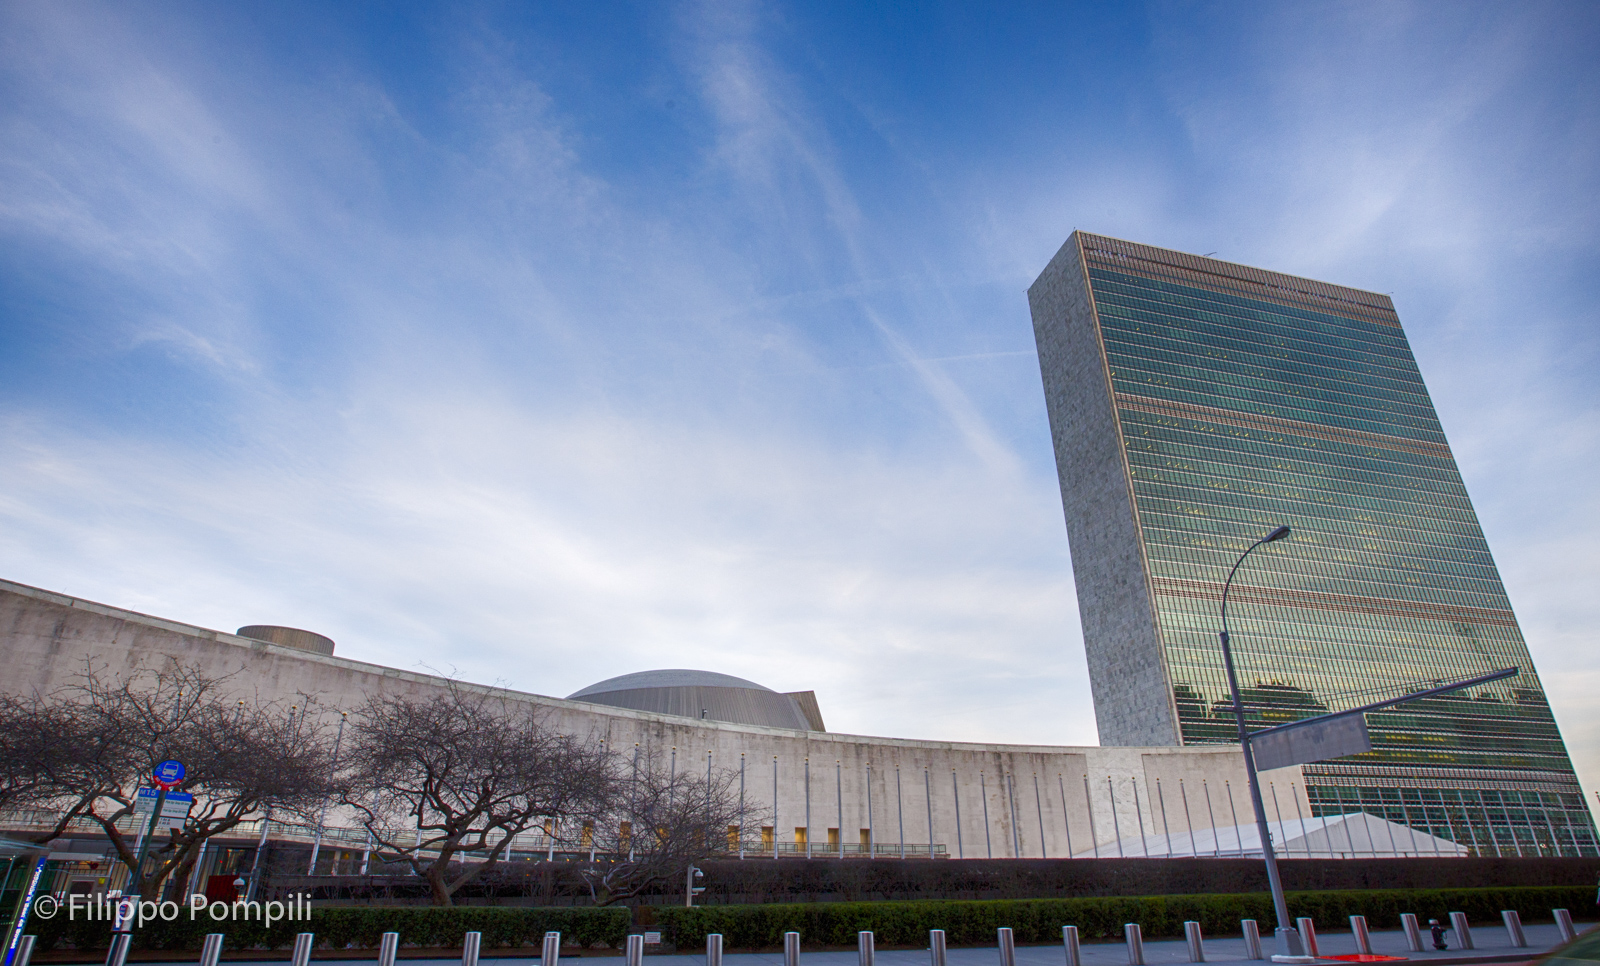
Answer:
[(358, 928), (831, 923), (730, 881), (1040, 920)]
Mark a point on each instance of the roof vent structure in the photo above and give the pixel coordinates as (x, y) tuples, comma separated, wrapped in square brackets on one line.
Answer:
[(288, 637)]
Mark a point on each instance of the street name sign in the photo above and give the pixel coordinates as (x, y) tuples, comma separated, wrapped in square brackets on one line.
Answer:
[(1321, 738), (174, 811)]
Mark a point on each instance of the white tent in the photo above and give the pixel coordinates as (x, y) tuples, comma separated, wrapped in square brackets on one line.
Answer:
[(1349, 836)]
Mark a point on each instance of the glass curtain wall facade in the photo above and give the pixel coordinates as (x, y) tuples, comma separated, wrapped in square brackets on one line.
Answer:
[(1225, 401)]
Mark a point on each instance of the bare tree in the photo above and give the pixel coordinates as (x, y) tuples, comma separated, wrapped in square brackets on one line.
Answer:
[(459, 771), (243, 757), (660, 823), (38, 750)]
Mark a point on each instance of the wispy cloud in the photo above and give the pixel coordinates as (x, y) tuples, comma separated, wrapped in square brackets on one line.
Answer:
[(467, 355), (542, 454)]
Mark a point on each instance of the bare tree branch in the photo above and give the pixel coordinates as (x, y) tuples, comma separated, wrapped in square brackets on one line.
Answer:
[(460, 771), (661, 823), (243, 758)]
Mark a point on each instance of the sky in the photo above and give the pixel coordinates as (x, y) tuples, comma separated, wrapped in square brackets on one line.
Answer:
[(540, 343)]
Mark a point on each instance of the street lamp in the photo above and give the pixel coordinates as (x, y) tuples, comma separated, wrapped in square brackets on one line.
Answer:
[(690, 890), (1291, 949)]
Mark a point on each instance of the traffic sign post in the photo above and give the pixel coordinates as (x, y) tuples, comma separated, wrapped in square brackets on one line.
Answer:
[(1318, 738), (165, 776), (136, 880)]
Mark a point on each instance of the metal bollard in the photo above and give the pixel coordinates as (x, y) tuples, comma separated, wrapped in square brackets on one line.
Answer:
[(24, 950), (1308, 934), (471, 945), (211, 951), (1563, 923), (120, 943), (388, 946), (1408, 922), (1252, 939), (936, 950), (1513, 921), (1007, 946), (1135, 938), (1458, 925), (634, 953), (1358, 929), (550, 955), (713, 949), (1196, 944), (302, 949), (1069, 939), (791, 949), (865, 948)]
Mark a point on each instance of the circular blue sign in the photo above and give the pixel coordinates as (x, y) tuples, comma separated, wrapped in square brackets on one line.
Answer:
[(169, 773)]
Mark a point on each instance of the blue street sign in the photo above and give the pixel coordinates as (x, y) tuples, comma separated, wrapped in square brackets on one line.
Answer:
[(168, 774)]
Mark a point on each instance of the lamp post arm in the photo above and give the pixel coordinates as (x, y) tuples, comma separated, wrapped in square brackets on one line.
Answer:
[(1228, 585)]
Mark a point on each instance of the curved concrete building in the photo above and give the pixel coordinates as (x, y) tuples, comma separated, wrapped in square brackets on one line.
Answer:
[(823, 793), (706, 695)]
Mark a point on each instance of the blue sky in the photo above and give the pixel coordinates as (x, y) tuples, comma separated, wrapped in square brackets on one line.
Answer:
[(543, 343)]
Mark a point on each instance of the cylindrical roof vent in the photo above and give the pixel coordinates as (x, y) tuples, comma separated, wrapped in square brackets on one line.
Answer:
[(288, 637)]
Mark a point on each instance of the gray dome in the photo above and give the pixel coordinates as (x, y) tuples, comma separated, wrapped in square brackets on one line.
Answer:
[(667, 678), (698, 694)]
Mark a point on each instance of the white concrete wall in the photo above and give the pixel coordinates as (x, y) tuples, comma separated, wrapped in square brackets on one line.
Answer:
[(47, 639)]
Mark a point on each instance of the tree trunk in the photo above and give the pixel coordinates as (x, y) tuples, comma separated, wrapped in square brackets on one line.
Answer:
[(180, 874), (436, 883)]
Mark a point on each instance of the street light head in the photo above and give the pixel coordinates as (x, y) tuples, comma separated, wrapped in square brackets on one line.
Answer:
[(1277, 534)]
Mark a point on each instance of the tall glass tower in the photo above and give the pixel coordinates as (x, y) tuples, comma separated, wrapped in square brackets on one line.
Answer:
[(1195, 405)]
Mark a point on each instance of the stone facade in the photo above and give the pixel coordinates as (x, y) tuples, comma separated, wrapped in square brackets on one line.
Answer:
[(1127, 671)]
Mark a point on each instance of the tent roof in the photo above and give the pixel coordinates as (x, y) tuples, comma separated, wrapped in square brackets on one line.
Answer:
[(1348, 836)]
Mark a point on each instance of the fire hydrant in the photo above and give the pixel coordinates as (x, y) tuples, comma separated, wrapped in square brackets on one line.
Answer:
[(1438, 934)]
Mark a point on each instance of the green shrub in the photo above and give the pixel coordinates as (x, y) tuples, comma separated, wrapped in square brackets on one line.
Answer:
[(1040, 920), (357, 928)]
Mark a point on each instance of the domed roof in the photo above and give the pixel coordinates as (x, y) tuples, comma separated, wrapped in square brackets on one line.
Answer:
[(707, 695), (667, 678)]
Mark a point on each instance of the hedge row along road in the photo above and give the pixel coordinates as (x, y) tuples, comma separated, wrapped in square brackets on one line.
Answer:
[(970, 923)]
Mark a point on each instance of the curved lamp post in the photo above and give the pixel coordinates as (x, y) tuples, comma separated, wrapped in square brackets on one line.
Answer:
[(1291, 949)]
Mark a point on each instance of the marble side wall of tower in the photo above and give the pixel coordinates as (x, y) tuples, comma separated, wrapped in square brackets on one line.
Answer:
[(1127, 671)]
